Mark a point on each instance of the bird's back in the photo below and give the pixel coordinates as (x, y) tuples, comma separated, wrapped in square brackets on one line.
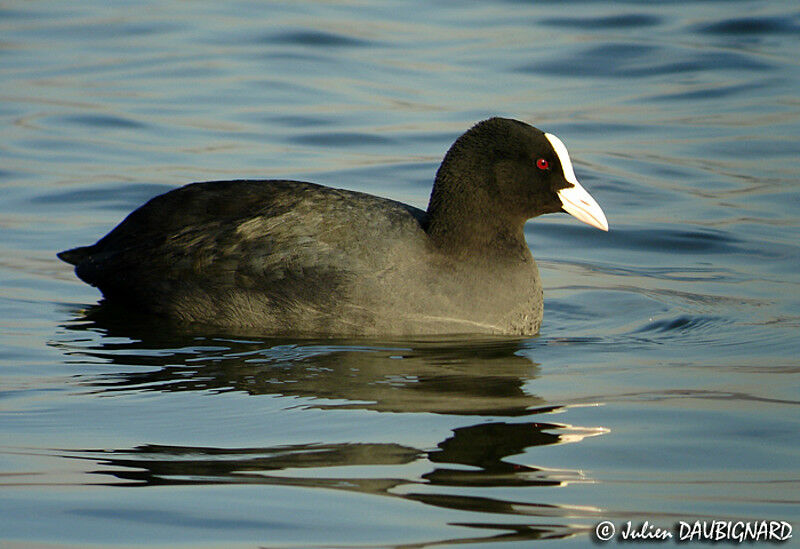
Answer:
[(278, 255)]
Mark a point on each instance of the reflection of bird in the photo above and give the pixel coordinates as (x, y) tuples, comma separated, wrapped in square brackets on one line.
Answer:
[(466, 376), (306, 465), (285, 256), (484, 447)]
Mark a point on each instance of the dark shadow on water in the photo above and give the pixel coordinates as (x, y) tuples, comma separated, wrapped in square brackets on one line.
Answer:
[(458, 376), (464, 376)]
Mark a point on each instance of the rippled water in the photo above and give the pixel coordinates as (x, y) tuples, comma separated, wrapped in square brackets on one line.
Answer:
[(664, 383)]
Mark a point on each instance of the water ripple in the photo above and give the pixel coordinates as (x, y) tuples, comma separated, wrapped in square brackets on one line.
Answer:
[(99, 121), (633, 60), (684, 324), (622, 21), (751, 25), (341, 139), (317, 39)]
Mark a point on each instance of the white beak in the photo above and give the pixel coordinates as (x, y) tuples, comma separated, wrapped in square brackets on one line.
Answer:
[(580, 204), (575, 200)]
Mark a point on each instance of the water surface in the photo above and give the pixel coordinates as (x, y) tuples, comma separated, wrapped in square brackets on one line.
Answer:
[(663, 386)]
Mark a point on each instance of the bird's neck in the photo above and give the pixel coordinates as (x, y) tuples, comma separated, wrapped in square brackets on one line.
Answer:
[(462, 223)]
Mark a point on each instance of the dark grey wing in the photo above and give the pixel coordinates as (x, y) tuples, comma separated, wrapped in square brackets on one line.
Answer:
[(241, 248)]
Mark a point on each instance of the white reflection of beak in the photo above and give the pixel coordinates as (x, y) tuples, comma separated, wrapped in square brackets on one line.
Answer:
[(575, 200)]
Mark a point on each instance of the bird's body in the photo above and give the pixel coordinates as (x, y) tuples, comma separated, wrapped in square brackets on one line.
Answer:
[(293, 257)]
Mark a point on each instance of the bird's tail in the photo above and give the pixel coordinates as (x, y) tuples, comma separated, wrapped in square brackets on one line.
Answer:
[(75, 255)]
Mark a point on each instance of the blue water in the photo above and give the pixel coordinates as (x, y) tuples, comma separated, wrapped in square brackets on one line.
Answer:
[(664, 385)]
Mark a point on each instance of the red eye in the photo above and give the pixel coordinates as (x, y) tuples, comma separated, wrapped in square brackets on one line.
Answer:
[(543, 164)]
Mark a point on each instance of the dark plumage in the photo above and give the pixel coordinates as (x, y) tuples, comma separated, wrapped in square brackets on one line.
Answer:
[(294, 257)]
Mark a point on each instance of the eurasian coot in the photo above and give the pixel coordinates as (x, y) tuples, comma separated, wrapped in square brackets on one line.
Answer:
[(293, 257)]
